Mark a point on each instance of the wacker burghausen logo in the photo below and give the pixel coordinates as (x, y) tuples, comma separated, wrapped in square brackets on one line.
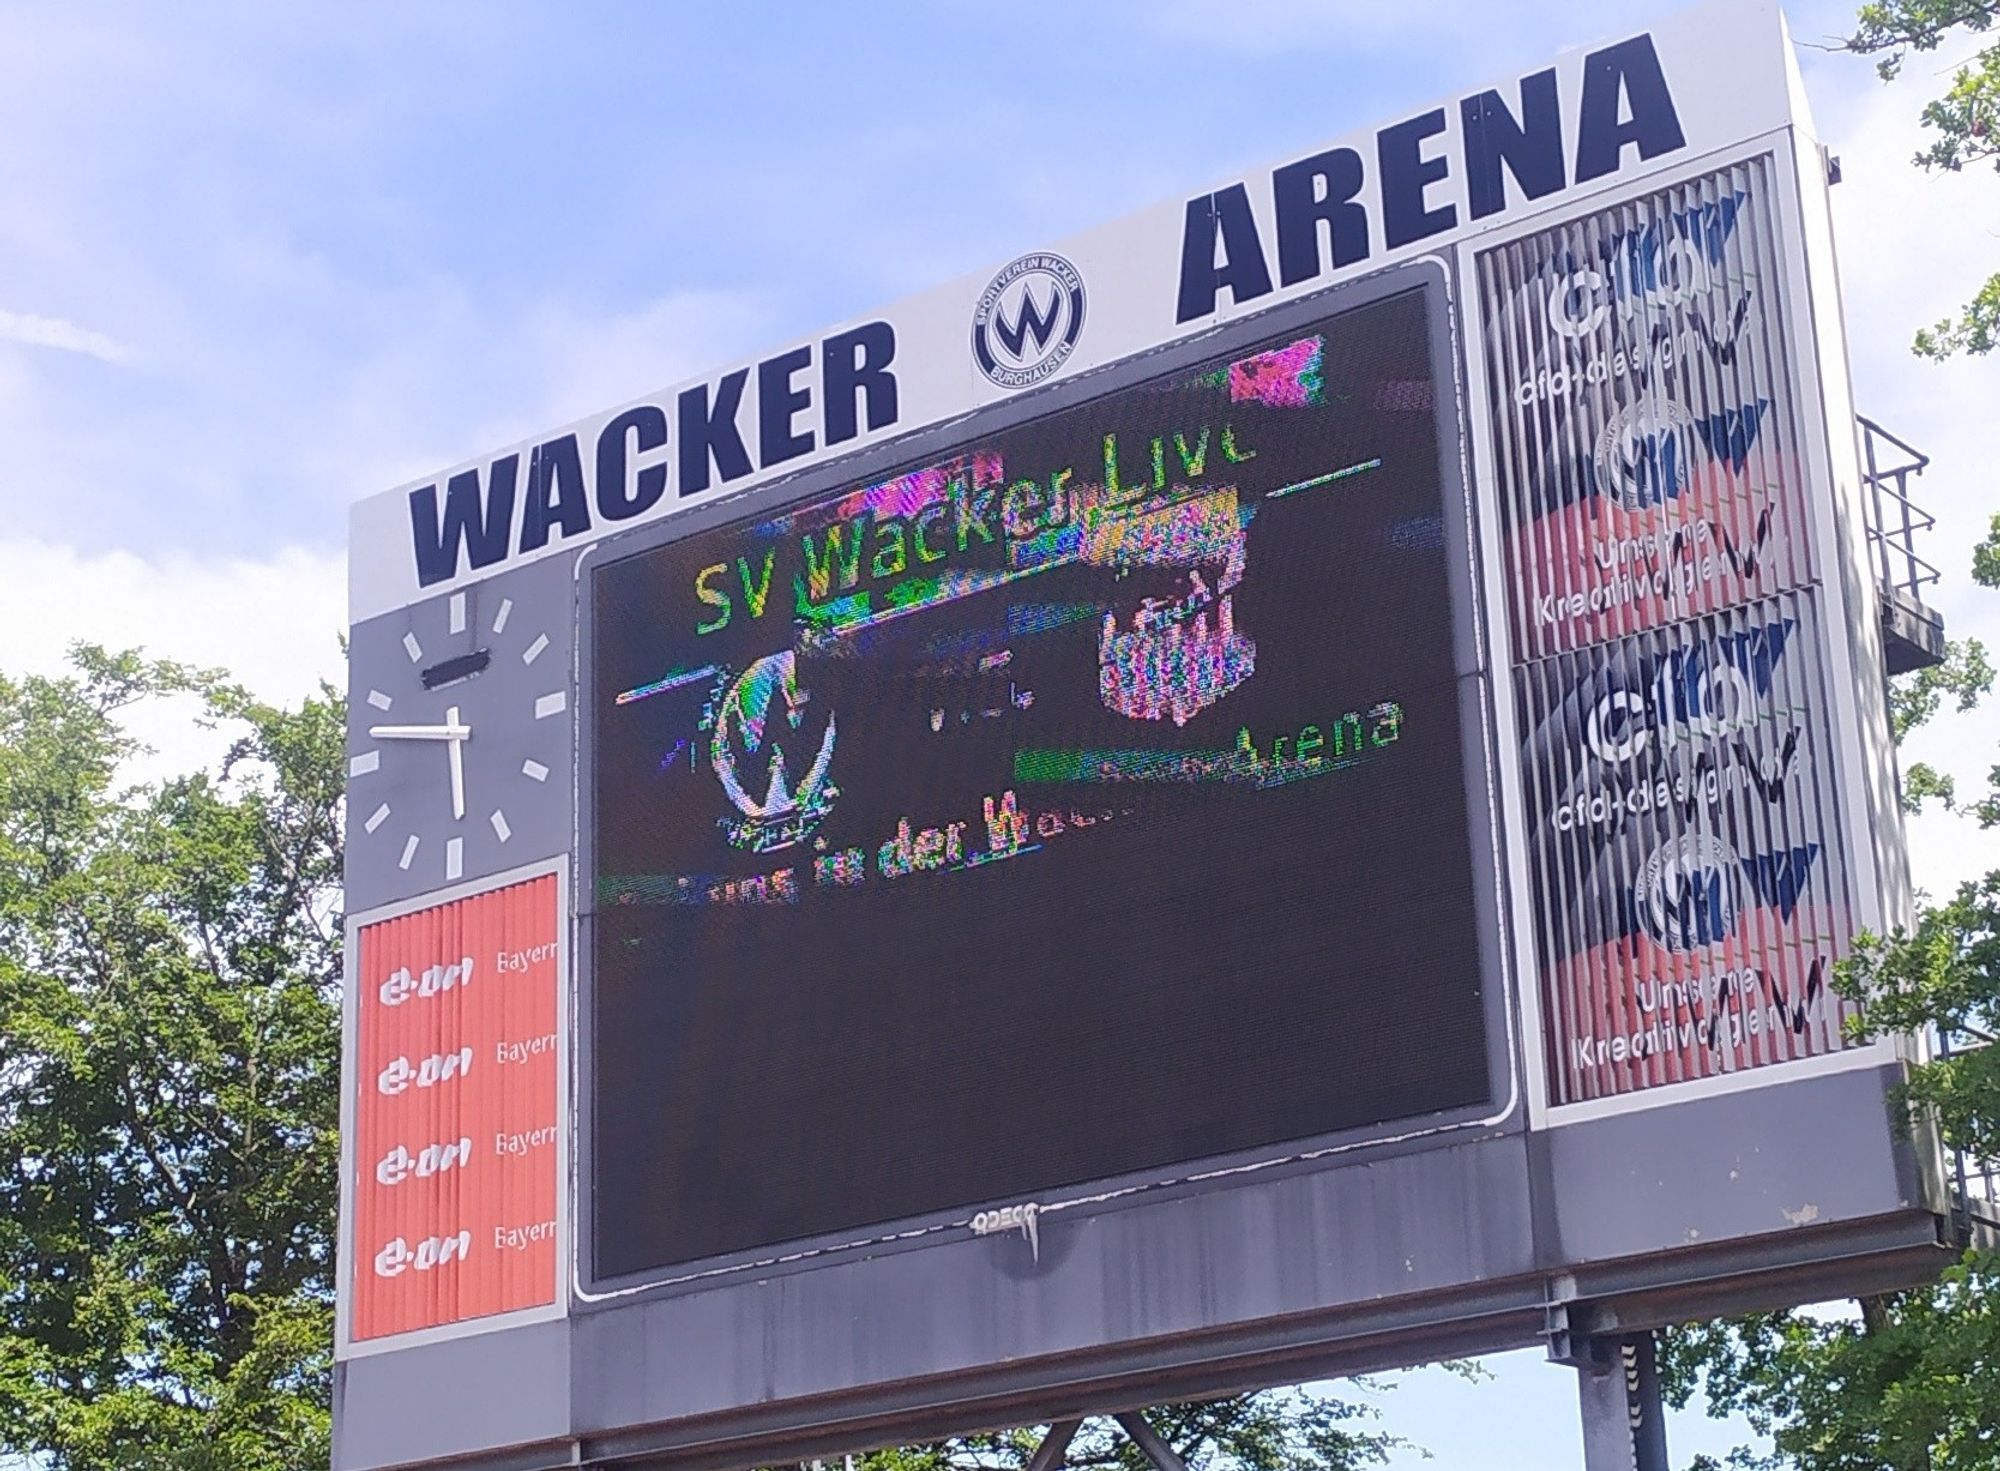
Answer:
[(1028, 320)]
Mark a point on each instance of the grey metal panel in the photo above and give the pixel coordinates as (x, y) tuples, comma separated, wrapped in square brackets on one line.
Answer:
[(1268, 1278), (533, 656), (483, 1392), (1268, 1247), (1811, 1153)]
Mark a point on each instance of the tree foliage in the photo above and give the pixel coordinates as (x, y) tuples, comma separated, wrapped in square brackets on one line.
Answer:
[(1966, 676), (169, 1057), (169, 1076), (1277, 1430), (1905, 1384), (1963, 123)]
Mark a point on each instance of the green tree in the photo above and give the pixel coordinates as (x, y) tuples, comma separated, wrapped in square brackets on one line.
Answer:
[(1910, 1380), (1276, 1430), (169, 1064), (169, 1076), (1963, 124)]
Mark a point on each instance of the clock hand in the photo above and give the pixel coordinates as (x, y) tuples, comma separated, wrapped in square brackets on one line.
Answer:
[(455, 751), (451, 671), (450, 731)]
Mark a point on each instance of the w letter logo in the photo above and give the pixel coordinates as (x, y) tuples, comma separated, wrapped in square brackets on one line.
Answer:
[(1028, 320), (1039, 321)]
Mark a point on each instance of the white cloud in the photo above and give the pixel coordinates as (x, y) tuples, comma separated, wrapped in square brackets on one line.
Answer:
[(62, 335), (274, 625)]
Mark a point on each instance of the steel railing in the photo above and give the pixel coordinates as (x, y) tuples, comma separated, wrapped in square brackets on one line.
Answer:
[(1894, 520), (1975, 1182)]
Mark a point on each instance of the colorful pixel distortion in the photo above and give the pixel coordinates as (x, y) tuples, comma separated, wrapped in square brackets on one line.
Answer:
[(1005, 745)]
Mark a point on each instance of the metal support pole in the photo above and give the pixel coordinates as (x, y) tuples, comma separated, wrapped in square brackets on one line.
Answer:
[(1148, 1440), (1049, 1454), (1624, 1424)]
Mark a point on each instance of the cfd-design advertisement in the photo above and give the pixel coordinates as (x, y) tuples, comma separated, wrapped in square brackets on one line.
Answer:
[(1689, 881), (1643, 407)]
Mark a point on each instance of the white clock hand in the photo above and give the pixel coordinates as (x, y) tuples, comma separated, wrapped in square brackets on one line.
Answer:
[(457, 763), (450, 731), (453, 731)]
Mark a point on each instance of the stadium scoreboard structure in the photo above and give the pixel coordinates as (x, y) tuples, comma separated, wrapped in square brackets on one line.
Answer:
[(1275, 789)]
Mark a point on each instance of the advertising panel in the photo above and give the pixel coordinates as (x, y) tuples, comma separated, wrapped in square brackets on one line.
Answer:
[(456, 1111), (1081, 804), (1643, 402), (1689, 875)]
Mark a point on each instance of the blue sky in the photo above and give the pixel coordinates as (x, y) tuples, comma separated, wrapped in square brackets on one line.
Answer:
[(258, 262)]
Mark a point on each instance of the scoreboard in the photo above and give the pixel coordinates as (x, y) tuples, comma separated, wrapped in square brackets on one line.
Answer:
[(1275, 789), (1099, 784)]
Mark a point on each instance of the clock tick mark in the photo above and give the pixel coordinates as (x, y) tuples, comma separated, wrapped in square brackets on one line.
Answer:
[(500, 828), (500, 617), (454, 858), (551, 704), (534, 771), (379, 700), (375, 818), (409, 852), (411, 647), (534, 650), (458, 612), (366, 762)]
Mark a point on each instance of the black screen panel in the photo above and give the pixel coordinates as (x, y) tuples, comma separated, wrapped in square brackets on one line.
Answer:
[(1085, 803)]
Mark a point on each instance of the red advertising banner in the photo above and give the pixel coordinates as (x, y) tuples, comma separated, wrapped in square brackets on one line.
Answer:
[(1690, 882), (1644, 414), (457, 1112)]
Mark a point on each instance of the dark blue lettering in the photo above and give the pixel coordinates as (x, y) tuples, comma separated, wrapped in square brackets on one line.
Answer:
[(1316, 191), (857, 361), (616, 499), (1406, 173), (1243, 270), (556, 494), (779, 401), (481, 522), (1531, 148), (1626, 74), (709, 430)]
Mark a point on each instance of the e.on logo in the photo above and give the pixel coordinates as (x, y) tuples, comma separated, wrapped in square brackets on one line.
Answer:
[(401, 985), (399, 1164), (398, 1256), (439, 1067)]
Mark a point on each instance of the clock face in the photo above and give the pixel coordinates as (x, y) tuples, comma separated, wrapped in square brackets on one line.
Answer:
[(459, 741)]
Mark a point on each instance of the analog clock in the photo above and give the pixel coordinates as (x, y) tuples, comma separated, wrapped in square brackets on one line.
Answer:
[(460, 744)]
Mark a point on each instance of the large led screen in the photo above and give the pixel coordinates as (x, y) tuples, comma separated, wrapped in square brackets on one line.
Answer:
[(1082, 804)]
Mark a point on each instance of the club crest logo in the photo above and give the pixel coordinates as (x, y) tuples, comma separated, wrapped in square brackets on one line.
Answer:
[(1028, 320), (1686, 896), (763, 716), (1645, 453)]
